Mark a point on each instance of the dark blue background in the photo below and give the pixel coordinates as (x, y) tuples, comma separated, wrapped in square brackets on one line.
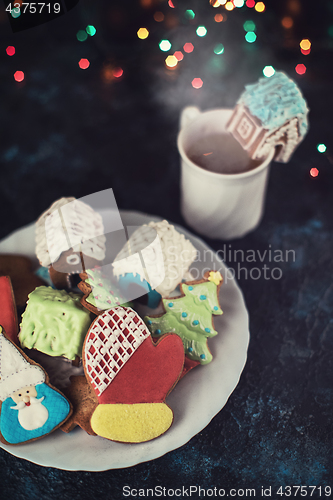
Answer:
[(68, 132)]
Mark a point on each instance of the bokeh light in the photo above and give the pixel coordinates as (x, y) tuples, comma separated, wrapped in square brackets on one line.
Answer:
[(229, 6), (189, 14), (197, 83), (171, 4), (188, 47), (10, 50), (249, 26), (321, 148), (159, 16), (260, 6), (82, 35), (171, 61), (218, 18), (287, 22), (118, 72), (250, 37), (239, 3), (219, 49), (84, 63), (250, 3), (305, 52), (15, 13), (305, 44), (91, 30), (300, 69), (142, 33), (19, 76), (314, 172), (165, 45), (201, 31), (268, 71), (179, 55)]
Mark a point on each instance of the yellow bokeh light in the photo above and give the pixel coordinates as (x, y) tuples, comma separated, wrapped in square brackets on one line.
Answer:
[(305, 44), (171, 61), (142, 33), (229, 6), (215, 3), (260, 6), (287, 22)]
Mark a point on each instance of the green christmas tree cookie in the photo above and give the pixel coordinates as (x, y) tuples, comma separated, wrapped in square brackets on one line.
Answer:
[(191, 316), (100, 291)]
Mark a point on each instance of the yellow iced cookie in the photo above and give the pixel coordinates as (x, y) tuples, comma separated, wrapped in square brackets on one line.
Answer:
[(131, 423)]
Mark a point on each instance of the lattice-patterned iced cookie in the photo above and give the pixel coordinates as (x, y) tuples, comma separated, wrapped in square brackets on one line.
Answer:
[(131, 376)]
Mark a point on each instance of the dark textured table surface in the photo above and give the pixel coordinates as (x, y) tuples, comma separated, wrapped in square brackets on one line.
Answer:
[(71, 132)]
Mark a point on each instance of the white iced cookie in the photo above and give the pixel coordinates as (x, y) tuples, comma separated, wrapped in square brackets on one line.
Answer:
[(271, 113), (69, 223), (165, 260)]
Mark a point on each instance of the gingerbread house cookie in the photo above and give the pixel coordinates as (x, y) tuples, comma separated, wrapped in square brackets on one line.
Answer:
[(271, 113), (69, 239)]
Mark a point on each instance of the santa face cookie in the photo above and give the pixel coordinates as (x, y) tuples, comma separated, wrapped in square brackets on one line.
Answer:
[(30, 407), (131, 376)]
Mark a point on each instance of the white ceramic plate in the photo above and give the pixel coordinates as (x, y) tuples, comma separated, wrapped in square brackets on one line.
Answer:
[(197, 398)]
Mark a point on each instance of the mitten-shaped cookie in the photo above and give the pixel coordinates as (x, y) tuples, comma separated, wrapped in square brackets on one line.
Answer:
[(131, 376)]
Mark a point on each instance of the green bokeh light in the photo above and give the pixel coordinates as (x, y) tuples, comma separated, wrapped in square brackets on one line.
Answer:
[(15, 12), (250, 37), (201, 31), (321, 148), (330, 31), (189, 14), (249, 26), (91, 30), (165, 45), (81, 35), (219, 49)]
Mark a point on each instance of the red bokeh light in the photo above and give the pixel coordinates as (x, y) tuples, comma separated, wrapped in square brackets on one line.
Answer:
[(84, 63), (300, 69), (10, 50), (179, 55), (188, 47), (171, 4), (118, 72), (250, 3), (197, 83), (314, 172), (19, 76), (305, 52)]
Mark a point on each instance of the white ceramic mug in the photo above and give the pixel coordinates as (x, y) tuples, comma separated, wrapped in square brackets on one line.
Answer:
[(219, 205)]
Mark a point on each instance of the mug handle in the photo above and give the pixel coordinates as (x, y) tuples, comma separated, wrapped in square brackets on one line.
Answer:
[(187, 115)]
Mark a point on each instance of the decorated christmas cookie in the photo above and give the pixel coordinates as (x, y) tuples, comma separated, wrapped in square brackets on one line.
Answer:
[(69, 238), (24, 281), (270, 114), (167, 258), (100, 292), (54, 323), (30, 407), (8, 314), (84, 401), (191, 316), (131, 376)]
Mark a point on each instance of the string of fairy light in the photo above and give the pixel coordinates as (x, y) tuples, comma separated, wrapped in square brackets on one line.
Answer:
[(174, 55)]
